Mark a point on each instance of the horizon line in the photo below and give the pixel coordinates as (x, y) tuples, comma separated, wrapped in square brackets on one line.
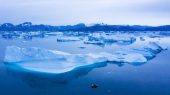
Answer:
[(87, 24)]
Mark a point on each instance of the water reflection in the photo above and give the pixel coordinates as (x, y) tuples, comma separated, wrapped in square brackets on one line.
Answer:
[(43, 80), (46, 80)]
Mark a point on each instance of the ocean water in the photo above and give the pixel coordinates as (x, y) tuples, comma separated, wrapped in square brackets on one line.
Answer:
[(150, 78)]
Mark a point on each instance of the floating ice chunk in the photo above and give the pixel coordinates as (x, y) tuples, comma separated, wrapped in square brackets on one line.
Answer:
[(119, 38), (42, 60), (99, 43), (67, 39), (149, 50), (16, 54), (54, 34), (146, 53), (130, 58), (51, 61), (109, 39), (155, 46)]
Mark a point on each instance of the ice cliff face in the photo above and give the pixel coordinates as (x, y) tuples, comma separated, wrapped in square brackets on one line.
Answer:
[(52, 61)]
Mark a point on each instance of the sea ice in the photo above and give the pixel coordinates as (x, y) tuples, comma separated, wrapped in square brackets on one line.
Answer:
[(103, 39), (52, 61), (68, 39)]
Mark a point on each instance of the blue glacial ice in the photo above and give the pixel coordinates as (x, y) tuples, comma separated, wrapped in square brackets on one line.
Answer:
[(103, 39), (67, 39), (99, 39), (57, 62)]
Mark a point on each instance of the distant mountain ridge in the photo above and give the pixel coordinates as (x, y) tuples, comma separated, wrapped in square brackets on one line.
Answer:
[(28, 26)]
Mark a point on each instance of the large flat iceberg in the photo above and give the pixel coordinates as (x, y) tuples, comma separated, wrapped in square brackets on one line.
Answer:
[(103, 39), (52, 61)]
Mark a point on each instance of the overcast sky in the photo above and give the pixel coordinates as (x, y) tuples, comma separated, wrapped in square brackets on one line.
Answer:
[(63, 12)]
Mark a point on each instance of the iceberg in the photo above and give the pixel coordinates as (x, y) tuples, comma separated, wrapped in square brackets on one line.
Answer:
[(150, 50), (103, 39), (68, 39), (57, 62), (16, 54)]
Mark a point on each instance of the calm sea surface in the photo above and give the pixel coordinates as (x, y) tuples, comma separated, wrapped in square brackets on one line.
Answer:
[(151, 78)]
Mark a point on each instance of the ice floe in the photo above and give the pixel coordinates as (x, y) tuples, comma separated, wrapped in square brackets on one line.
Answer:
[(67, 39), (52, 61), (104, 39)]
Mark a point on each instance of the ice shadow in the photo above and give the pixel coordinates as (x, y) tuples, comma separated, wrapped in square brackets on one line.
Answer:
[(45, 80)]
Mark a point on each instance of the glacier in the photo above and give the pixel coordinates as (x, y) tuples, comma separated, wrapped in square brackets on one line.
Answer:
[(57, 62)]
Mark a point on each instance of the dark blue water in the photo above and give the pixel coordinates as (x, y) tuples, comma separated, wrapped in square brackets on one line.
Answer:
[(151, 78)]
